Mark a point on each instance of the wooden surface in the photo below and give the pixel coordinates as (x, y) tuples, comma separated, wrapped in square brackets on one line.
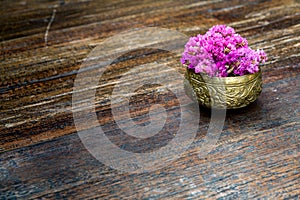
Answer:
[(43, 44)]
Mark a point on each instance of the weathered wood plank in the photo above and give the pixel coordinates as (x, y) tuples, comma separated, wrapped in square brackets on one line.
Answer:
[(251, 160), (41, 50)]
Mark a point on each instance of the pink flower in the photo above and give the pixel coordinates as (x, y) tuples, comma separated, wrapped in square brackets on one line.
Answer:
[(221, 52)]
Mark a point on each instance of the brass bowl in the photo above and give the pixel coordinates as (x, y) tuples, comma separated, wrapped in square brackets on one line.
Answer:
[(225, 92)]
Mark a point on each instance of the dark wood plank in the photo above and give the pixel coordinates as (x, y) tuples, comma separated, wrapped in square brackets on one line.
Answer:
[(42, 48), (252, 159)]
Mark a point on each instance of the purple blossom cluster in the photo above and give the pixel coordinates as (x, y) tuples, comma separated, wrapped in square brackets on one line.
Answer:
[(221, 52)]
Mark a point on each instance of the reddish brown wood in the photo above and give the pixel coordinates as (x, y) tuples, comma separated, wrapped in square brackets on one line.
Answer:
[(256, 157)]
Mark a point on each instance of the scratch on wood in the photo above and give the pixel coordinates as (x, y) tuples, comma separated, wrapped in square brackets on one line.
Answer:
[(49, 25)]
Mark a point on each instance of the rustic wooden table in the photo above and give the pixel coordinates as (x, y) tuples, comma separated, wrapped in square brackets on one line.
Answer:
[(43, 45)]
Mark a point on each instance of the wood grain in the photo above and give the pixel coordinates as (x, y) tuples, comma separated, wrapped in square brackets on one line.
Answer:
[(43, 45)]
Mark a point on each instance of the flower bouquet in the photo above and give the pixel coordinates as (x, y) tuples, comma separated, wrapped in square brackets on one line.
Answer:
[(222, 69)]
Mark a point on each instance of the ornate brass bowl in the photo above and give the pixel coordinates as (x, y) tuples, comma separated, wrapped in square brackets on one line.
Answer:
[(225, 92)]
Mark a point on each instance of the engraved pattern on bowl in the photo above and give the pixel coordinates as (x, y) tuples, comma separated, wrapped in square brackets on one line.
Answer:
[(225, 92)]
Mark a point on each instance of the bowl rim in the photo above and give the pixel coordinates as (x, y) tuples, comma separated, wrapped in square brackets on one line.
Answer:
[(223, 80)]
